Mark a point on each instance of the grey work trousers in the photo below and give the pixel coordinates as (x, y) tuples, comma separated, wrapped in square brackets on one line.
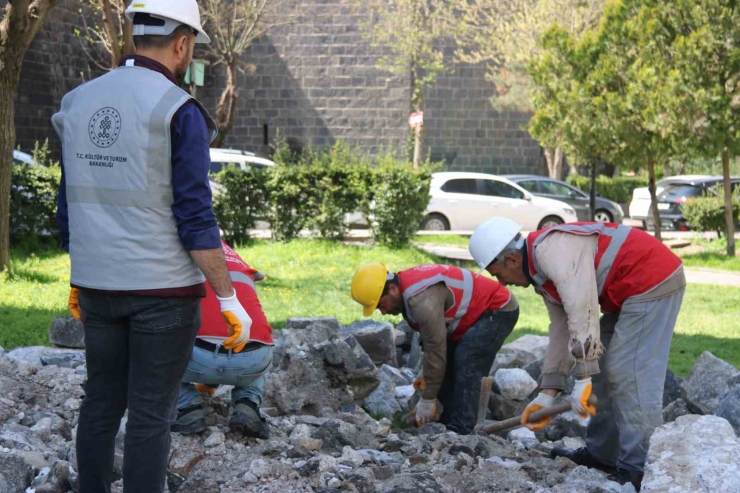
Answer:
[(630, 385)]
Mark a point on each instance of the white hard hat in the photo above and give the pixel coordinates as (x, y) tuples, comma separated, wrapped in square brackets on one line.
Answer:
[(490, 239), (181, 11)]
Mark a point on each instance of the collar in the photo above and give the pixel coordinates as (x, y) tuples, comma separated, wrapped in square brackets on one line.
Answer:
[(146, 62)]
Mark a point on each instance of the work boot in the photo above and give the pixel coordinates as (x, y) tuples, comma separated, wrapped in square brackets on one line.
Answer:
[(245, 418), (624, 476), (190, 420), (580, 456)]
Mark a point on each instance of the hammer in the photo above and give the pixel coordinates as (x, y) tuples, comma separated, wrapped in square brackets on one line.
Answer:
[(535, 416)]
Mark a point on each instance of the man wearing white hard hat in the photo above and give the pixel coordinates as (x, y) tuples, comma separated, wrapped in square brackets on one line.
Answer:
[(638, 284), (135, 214)]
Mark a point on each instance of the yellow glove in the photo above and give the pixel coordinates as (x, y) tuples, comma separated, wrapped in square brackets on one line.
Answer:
[(542, 401), (205, 388), (420, 384), (579, 398), (74, 304), (239, 323), (425, 411)]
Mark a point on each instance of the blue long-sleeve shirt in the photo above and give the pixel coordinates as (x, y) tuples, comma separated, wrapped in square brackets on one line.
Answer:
[(192, 207)]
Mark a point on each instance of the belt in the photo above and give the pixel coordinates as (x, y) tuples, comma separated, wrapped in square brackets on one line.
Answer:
[(209, 346)]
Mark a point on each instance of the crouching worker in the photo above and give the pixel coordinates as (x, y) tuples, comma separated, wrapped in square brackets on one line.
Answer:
[(462, 319), (243, 367)]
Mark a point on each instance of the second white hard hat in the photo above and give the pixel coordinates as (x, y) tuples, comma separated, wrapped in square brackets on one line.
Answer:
[(490, 239), (182, 11)]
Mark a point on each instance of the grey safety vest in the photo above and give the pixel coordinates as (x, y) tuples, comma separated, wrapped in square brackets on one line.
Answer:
[(116, 151)]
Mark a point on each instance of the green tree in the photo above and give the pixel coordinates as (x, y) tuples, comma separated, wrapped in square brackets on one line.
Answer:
[(412, 31), (507, 37)]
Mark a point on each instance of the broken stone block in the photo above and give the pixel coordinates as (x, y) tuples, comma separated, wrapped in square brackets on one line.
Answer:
[(306, 322), (520, 352), (404, 394), (729, 408), (395, 375), (583, 479), (313, 368), (534, 369), (503, 408), (674, 410), (399, 337), (67, 332), (693, 454), (707, 383), (415, 356), (376, 338), (382, 401), (15, 474), (567, 424), (513, 383), (671, 388)]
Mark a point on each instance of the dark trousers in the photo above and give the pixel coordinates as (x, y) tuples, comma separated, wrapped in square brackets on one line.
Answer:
[(137, 350), (468, 361)]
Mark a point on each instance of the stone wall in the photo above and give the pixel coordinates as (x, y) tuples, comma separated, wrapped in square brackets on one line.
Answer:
[(315, 82)]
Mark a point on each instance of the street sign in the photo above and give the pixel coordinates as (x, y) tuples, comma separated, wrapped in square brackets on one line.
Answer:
[(416, 119)]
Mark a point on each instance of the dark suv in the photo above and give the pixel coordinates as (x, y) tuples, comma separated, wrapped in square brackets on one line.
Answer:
[(675, 194)]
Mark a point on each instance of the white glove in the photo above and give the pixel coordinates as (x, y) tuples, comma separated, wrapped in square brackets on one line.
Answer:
[(425, 410), (542, 401), (579, 398), (238, 322)]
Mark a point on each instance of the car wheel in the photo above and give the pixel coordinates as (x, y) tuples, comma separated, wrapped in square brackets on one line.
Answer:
[(435, 222), (549, 222), (603, 216)]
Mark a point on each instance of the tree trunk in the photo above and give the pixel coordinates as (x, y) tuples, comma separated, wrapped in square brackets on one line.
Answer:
[(7, 141), (654, 199), (617, 172), (417, 104), (227, 105), (729, 213), (554, 158), (111, 33), (18, 28)]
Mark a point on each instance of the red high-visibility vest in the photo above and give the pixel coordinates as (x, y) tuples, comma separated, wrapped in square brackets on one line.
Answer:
[(628, 262), (212, 322), (473, 294)]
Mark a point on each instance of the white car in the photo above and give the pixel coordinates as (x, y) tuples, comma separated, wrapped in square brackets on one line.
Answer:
[(640, 204), (244, 159), (462, 201)]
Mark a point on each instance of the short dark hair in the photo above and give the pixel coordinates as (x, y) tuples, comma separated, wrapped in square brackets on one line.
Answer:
[(396, 281), (149, 41)]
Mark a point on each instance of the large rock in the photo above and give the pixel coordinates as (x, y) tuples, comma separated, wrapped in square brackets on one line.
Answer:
[(708, 383), (585, 480), (40, 356), (404, 396), (15, 473), (395, 375), (675, 410), (67, 332), (521, 352), (378, 339), (313, 368), (382, 401), (729, 408), (671, 387), (568, 424), (312, 322), (503, 408), (415, 354), (513, 383), (693, 454)]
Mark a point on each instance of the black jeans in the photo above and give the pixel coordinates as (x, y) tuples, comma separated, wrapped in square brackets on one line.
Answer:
[(137, 350), (469, 360)]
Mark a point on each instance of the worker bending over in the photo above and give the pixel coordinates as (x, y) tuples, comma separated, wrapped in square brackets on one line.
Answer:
[(462, 318), (211, 364), (623, 357)]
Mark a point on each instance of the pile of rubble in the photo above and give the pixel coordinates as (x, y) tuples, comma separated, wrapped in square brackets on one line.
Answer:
[(330, 401)]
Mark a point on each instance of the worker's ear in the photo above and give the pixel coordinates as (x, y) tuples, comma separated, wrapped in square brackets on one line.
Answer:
[(514, 260), (394, 290)]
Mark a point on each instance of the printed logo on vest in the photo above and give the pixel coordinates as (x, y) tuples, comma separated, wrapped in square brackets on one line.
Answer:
[(105, 127)]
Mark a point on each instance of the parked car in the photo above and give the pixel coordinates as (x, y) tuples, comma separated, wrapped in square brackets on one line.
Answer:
[(244, 159), (640, 205), (462, 201), (606, 211), (674, 193), (20, 157)]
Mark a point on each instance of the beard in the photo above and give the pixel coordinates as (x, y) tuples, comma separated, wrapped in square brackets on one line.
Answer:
[(182, 69)]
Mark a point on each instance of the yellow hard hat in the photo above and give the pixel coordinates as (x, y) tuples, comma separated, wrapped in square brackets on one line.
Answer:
[(367, 286)]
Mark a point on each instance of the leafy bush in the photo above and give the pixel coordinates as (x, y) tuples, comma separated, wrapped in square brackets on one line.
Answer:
[(708, 213), (33, 197), (397, 197), (617, 189), (240, 203), (319, 189)]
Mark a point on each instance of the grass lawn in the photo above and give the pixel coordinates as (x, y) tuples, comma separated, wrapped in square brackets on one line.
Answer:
[(311, 278)]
